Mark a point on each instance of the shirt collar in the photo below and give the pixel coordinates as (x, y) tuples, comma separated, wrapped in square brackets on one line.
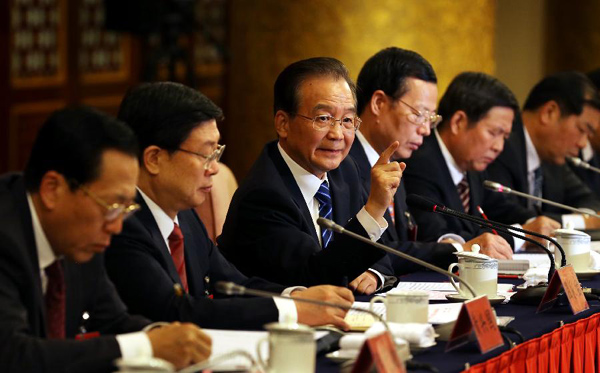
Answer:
[(455, 172), (370, 152), (44, 250), (533, 158), (308, 183), (587, 153), (164, 222)]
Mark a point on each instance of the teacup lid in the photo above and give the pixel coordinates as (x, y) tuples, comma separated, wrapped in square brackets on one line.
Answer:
[(569, 232), (474, 254), (289, 328)]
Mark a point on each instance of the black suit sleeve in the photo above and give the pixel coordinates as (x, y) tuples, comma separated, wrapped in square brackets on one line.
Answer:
[(276, 244), (146, 288)]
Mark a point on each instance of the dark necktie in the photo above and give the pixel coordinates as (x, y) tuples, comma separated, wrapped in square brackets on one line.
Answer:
[(465, 193), (177, 253), (325, 211), (538, 180), (55, 300)]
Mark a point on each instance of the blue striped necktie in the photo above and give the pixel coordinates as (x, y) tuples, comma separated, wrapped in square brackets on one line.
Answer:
[(325, 211)]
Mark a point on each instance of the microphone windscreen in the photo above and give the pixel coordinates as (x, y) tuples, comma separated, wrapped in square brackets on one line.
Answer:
[(420, 202)]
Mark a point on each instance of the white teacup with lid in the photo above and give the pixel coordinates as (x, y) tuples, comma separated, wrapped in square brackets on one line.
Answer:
[(478, 270), (576, 245), (292, 348)]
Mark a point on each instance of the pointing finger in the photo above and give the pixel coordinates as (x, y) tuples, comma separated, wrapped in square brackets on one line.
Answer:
[(384, 158)]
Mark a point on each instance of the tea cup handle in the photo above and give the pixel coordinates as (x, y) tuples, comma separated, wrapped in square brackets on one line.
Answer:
[(452, 281), (261, 362), (378, 299)]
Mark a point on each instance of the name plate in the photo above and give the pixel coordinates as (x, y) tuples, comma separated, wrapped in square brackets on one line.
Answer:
[(564, 278), (476, 317), (381, 351)]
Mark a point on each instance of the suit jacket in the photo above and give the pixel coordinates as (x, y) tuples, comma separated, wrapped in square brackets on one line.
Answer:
[(427, 174), (397, 235), (23, 347), (269, 231), (590, 178), (141, 249), (560, 184)]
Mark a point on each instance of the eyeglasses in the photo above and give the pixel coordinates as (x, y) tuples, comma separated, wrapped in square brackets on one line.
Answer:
[(113, 211), (324, 122), (209, 159), (419, 118)]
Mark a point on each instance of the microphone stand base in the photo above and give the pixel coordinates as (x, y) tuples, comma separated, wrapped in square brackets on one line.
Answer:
[(532, 296)]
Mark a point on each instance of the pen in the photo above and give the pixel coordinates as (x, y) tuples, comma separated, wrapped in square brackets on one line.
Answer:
[(486, 218)]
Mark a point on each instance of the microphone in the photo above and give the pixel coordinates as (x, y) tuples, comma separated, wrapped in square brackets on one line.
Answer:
[(231, 288), (577, 162), (497, 187), (328, 224), (533, 294)]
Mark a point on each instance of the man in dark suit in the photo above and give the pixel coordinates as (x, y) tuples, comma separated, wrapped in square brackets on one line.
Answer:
[(397, 98), (77, 188), (177, 130), (559, 115), (271, 229), (477, 112), (591, 152)]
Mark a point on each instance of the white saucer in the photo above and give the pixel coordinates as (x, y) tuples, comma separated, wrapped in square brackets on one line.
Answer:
[(341, 356), (456, 297), (586, 275)]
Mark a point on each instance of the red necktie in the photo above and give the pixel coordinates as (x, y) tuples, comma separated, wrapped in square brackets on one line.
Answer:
[(176, 246), (55, 301)]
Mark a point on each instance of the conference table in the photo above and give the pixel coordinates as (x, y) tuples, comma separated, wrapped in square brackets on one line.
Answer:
[(554, 338)]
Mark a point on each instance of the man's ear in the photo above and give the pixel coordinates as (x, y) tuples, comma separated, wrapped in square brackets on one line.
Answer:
[(282, 124), (379, 100), (549, 113), (53, 187), (151, 159), (458, 122)]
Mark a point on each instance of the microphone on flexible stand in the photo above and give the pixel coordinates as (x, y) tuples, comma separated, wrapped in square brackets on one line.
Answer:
[(497, 187), (533, 294), (328, 224), (577, 162)]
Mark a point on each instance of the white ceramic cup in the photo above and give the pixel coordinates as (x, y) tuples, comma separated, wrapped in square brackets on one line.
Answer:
[(292, 348), (405, 306), (576, 245), (482, 276)]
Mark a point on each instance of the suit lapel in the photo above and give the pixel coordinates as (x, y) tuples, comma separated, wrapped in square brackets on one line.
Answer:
[(195, 267), (292, 187), (147, 220), (26, 228)]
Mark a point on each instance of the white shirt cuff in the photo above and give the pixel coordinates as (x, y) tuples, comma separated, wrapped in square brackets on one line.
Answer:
[(134, 345), (374, 230), (452, 236), (379, 276), (576, 221), (287, 310), (288, 291), (519, 242)]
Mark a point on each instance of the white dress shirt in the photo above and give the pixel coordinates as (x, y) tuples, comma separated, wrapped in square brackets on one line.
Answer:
[(286, 307), (576, 221), (457, 176), (132, 345), (309, 185)]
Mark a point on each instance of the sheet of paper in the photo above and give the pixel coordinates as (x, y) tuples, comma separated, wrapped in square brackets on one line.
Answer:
[(427, 286), (535, 260), (228, 341)]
